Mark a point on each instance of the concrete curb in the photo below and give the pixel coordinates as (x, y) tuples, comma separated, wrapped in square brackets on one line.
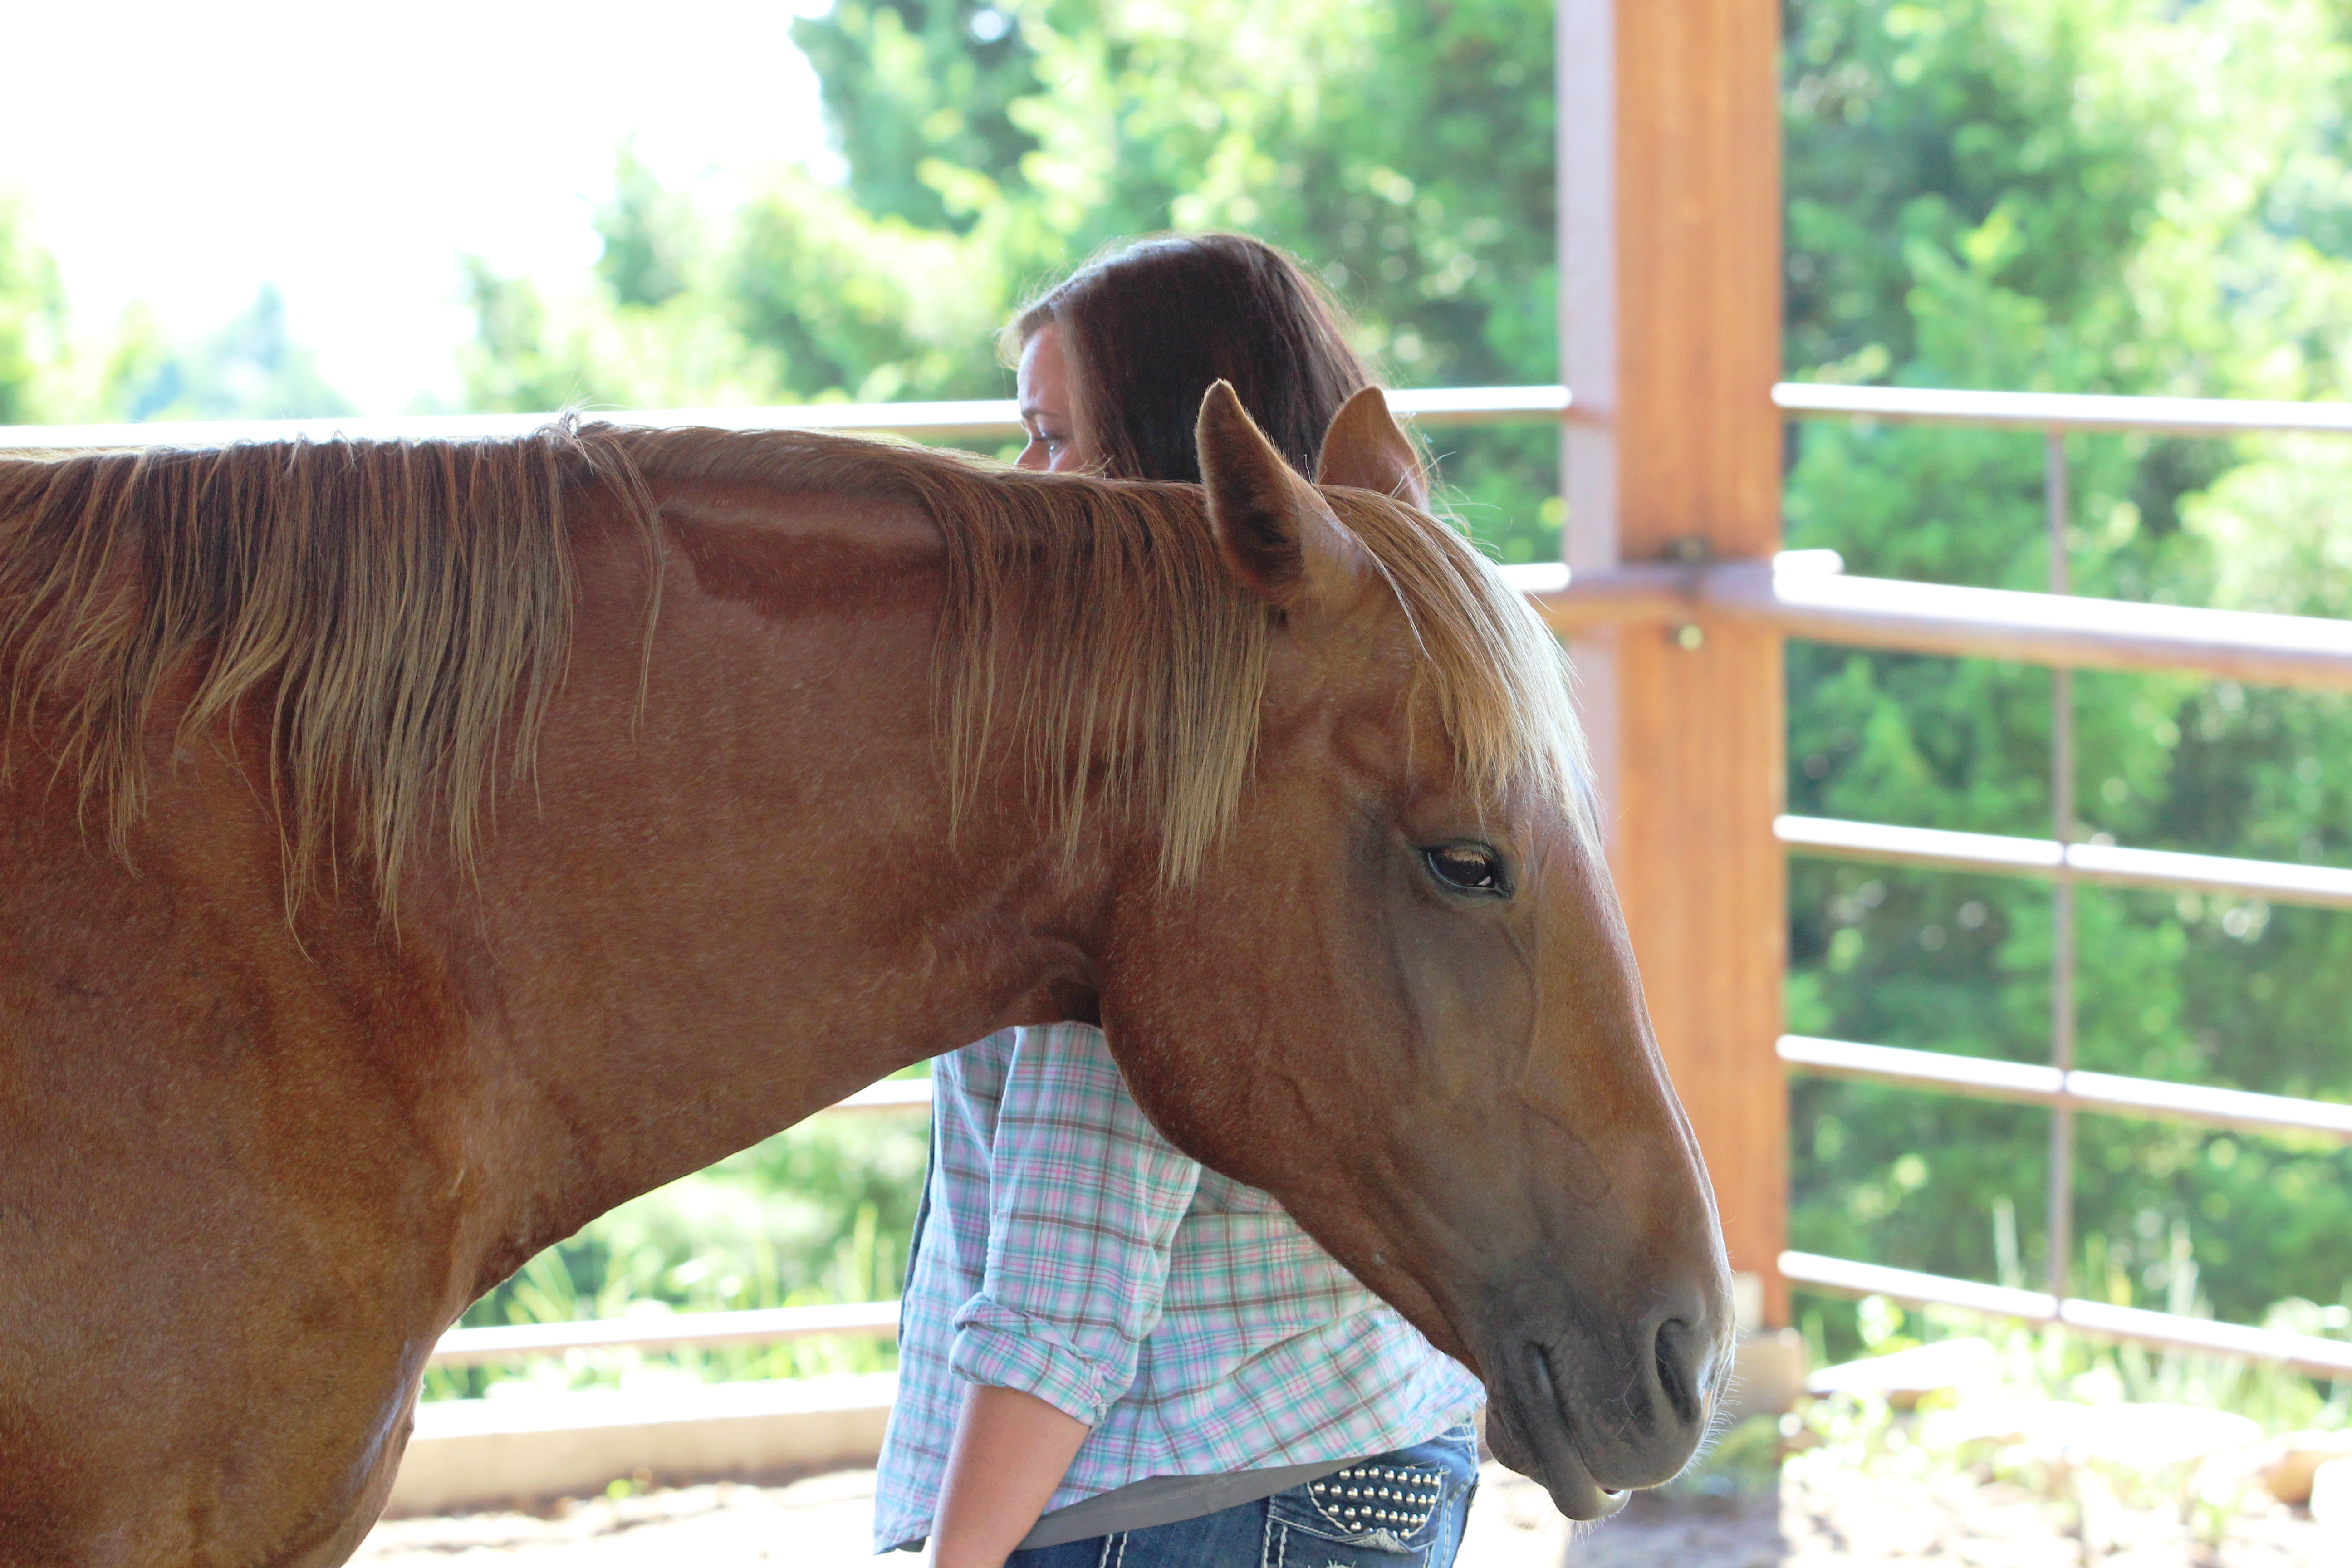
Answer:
[(479, 1453)]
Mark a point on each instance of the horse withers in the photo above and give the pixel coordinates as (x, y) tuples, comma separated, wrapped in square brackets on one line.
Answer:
[(408, 851)]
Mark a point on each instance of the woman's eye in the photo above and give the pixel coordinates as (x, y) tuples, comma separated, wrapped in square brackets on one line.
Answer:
[(1468, 867)]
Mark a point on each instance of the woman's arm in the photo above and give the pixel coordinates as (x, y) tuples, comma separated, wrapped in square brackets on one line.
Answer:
[(1084, 1202), (1009, 1452)]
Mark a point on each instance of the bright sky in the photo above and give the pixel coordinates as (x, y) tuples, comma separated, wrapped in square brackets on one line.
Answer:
[(184, 154)]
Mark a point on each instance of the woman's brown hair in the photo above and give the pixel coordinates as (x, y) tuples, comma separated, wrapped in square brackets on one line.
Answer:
[(1145, 331)]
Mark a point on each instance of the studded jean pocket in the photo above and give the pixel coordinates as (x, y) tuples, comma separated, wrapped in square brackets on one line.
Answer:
[(1397, 1511), (1379, 1499)]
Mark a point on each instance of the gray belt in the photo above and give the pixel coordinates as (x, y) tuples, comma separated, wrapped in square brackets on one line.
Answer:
[(1168, 1499)]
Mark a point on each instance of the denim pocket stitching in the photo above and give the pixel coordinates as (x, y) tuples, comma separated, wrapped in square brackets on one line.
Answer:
[(1318, 1550)]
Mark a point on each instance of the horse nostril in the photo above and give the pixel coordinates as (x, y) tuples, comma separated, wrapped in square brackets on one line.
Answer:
[(1677, 1350)]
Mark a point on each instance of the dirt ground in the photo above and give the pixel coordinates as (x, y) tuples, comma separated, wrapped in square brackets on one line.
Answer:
[(1820, 1520), (1817, 1521), (820, 1522)]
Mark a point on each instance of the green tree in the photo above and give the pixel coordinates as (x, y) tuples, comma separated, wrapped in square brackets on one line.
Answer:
[(919, 92), (32, 322), (1405, 153), (646, 230), (250, 369), (2078, 195), (508, 367)]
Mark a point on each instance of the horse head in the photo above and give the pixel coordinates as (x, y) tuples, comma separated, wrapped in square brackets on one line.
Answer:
[(1397, 993)]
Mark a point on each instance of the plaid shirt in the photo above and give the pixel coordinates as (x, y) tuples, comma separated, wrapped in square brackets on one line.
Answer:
[(1072, 1253)]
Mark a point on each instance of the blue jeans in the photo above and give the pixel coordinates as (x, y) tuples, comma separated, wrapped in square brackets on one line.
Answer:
[(1309, 1526)]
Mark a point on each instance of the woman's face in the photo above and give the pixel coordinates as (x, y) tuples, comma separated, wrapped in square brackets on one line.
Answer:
[(1042, 388)]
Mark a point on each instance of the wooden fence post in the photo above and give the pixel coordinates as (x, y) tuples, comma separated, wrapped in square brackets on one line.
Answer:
[(1670, 340)]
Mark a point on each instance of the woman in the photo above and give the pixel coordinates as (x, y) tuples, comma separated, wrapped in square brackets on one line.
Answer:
[(1117, 357), (1109, 1356)]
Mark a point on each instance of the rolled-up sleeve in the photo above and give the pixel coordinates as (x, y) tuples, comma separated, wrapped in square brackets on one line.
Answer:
[(1084, 1201)]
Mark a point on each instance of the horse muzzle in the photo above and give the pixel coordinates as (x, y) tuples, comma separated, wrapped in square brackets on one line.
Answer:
[(1594, 1423)]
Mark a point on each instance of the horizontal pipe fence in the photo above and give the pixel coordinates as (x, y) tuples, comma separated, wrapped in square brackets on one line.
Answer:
[(1430, 408), (980, 419), (1798, 593), (2064, 633)]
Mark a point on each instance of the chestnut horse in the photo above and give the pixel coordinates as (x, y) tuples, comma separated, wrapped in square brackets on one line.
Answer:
[(407, 852)]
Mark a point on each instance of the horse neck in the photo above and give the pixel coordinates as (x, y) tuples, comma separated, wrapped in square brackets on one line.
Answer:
[(734, 898)]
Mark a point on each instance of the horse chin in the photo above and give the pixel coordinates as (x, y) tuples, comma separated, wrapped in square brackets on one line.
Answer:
[(1530, 1430)]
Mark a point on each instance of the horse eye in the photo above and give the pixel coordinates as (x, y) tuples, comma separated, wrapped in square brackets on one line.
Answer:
[(1469, 867)]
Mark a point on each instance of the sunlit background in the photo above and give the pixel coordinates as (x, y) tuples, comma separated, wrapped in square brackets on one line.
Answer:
[(178, 161)]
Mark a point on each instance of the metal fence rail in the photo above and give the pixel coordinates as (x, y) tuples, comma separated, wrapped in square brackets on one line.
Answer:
[(2304, 1352), (767, 1325), (2031, 1083), (2285, 882), (890, 1094), (1801, 600), (2064, 633), (699, 1330), (2060, 412), (1430, 407), (980, 419)]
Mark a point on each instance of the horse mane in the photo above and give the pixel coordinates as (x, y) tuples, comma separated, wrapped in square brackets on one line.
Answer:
[(403, 611), (1095, 625)]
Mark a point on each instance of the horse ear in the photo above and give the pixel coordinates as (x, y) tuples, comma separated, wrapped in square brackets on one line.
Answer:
[(1364, 448), (1273, 530)]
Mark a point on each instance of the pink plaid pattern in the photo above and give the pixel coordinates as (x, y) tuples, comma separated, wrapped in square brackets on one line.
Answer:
[(1073, 1253)]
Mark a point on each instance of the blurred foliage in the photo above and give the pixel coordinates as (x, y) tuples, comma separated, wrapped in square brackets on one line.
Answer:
[(2078, 195), (250, 369), (819, 1214), (1863, 1431), (1734, 1467), (32, 320), (2025, 1417), (1405, 152), (918, 91)]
